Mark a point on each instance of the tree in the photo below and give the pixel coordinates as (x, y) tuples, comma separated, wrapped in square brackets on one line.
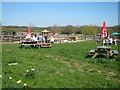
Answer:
[(89, 30), (78, 30), (68, 29)]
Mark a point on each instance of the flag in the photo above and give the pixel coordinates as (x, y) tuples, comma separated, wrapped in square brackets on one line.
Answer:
[(56, 34), (104, 32)]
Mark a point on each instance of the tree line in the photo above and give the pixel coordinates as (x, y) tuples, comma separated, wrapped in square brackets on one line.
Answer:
[(69, 29)]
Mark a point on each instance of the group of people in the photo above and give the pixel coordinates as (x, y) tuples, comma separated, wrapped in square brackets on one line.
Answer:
[(110, 41), (40, 38)]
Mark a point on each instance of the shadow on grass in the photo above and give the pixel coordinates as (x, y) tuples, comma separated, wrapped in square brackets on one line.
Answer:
[(98, 56), (29, 47), (101, 56), (32, 47)]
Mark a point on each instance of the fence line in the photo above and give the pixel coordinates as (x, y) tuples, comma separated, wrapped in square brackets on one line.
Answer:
[(60, 38)]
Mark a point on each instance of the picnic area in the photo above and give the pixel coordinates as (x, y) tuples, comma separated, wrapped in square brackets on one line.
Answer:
[(59, 44), (62, 66)]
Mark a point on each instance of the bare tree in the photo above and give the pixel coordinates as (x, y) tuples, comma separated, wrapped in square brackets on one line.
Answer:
[(31, 25)]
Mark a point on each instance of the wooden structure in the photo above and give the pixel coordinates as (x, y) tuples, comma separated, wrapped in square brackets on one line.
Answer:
[(103, 50), (74, 38)]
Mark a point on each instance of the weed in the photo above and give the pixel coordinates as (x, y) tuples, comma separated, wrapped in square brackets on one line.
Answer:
[(30, 73)]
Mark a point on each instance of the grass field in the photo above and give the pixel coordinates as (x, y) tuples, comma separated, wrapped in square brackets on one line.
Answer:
[(62, 66)]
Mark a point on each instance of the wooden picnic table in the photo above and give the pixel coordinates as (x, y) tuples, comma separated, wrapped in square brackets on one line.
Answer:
[(44, 45), (104, 47), (28, 43), (103, 50), (34, 44)]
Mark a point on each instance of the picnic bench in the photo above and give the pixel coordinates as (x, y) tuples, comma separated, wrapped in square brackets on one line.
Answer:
[(44, 45), (34, 44), (103, 50), (28, 43), (92, 51), (115, 52)]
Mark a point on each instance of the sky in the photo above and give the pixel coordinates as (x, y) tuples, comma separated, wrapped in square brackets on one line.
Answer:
[(43, 14), (60, 0)]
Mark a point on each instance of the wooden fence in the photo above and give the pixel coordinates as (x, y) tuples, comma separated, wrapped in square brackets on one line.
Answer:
[(10, 38), (15, 38)]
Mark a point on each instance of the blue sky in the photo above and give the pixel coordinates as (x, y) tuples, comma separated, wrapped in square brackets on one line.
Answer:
[(61, 13), (60, 0)]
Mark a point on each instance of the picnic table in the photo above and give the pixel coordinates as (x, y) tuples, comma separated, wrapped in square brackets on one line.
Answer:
[(34, 44), (103, 50), (44, 45), (28, 43)]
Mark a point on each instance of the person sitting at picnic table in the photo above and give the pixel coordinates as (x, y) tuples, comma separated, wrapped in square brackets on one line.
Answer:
[(40, 38), (51, 39), (33, 38), (36, 39), (27, 38), (110, 41), (115, 41), (107, 41), (43, 39), (46, 37)]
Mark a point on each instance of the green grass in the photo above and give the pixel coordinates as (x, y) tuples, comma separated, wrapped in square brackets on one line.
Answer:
[(62, 66)]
